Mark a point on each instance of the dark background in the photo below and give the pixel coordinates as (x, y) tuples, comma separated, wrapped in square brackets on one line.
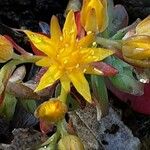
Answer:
[(27, 13)]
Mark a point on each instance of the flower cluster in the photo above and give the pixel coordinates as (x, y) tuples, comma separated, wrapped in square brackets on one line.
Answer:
[(67, 57)]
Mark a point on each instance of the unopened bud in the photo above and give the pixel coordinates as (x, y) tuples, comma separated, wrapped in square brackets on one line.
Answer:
[(70, 142), (6, 49), (52, 110)]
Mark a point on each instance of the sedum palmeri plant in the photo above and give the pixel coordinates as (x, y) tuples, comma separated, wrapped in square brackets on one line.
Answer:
[(67, 59), (85, 53)]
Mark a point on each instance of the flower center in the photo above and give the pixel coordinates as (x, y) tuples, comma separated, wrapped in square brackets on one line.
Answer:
[(68, 56)]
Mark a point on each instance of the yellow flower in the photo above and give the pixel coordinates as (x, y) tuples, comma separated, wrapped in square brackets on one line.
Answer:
[(6, 49), (70, 142), (94, 15), (136, 50), (143, 28), (67, 58), (52, 110)]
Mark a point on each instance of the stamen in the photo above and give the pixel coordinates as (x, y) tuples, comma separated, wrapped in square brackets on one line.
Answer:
[(77, 65), (61, 38), (94, 43), (66, 61), (98, 71)]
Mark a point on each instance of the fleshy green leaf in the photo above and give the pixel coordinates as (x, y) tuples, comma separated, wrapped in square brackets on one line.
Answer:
[(7, 109), (125, 80), (72, 103), (29, 105), (100, 92), (118, 19)]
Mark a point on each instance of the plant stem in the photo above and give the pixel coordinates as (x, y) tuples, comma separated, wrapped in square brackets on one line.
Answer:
[(53, 139), (61, 127), (26, 58), (107, 43), (63, 95)]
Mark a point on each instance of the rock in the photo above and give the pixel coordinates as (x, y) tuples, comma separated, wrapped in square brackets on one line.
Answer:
[(115, 135), (110, 133), (136, 9), (85, 133), (24, 139)]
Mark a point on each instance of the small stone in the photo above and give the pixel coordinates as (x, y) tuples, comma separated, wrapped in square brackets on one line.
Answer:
[(110, 133)]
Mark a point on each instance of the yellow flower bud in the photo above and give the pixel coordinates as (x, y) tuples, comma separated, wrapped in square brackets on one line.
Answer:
[(52, 110), (94, 15), (136, 50), (143, 28), (70, 142), (6, 49)]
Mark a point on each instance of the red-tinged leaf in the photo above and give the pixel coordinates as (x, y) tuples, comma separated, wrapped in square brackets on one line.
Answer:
[(80, 29), (46, 127), (15, 45), (108, 70), (119, 54), (36, 51), (2, 97), (139, 104)]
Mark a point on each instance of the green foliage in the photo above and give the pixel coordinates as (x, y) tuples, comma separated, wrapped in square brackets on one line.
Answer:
[(8, 106), (100, 92), (29, 105), (125, 80)]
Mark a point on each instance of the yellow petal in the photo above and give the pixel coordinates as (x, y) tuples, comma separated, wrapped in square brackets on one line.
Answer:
[(84, 12), (138, 41), (91, 70), (143, 27), (135, 53), (138, 38), (65, 83), (137, 47), (139, 63), (95, 54), (44, 62), (100, 7), (81, 84), (91, 22), (142, 55), (6, 49), (87, 40), (70, 28), (103, 22), (94, 11), (55, 28), (52, 74), (41, 42)]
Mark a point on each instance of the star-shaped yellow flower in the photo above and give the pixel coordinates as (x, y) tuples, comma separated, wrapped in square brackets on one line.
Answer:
[(67, 58)]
